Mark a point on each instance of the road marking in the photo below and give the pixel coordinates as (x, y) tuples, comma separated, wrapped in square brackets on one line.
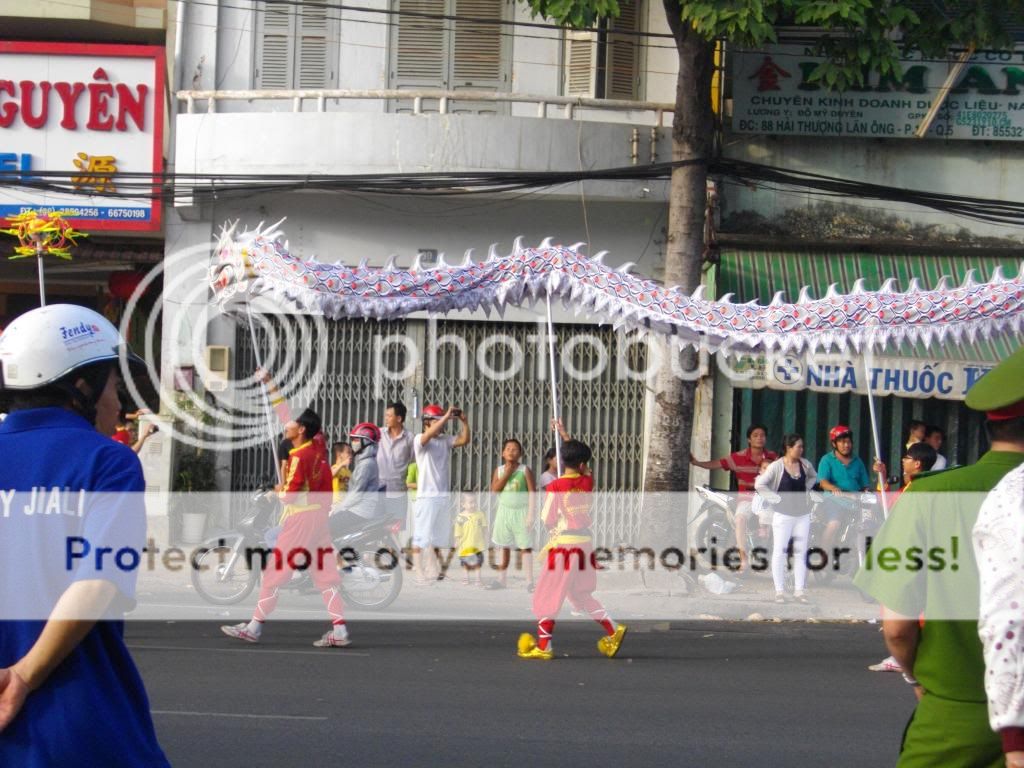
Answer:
[(233, 714), (134, 646)]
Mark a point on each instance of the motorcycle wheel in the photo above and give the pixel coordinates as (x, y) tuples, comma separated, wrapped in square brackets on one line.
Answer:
[(373, 583), (216, 578), (713, 526)]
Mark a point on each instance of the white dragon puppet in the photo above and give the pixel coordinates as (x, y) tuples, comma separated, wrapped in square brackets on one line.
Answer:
[(257, 262)]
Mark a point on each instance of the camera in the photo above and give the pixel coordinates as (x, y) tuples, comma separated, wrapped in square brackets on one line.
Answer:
[(457, 413)]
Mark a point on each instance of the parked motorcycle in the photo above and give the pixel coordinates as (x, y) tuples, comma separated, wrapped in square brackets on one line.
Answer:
[(716, 532), (226, 568)]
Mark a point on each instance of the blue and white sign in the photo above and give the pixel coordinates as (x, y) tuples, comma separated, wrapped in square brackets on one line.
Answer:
[(903, 377)]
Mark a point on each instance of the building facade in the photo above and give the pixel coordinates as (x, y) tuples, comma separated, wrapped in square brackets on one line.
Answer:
[(416, 86)]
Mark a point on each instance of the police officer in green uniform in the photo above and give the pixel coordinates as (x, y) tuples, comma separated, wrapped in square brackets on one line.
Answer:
[(949, 726)]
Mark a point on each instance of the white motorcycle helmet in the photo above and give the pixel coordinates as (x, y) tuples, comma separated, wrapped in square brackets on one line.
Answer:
[(44, 346)]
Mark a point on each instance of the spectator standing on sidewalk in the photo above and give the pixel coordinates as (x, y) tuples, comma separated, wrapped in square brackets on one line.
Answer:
[(395, 453), (432, 525), (513, 521), (745, 466), (789, 479), (916, 431), (471, 538), (935, 437)]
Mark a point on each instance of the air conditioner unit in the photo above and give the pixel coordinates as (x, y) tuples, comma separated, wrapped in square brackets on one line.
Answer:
[(218, 361)]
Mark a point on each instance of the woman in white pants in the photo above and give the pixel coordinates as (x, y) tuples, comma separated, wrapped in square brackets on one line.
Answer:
[(785, 483)]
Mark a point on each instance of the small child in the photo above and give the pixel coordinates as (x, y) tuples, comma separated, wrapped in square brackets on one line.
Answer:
[(513, 521), (341, 470), (569, 570), (471, 538)]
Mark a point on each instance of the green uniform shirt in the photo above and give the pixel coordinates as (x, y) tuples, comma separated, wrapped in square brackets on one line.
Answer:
[(949, 660)]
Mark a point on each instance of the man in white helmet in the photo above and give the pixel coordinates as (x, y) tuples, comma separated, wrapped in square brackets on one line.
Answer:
[(69, 691)]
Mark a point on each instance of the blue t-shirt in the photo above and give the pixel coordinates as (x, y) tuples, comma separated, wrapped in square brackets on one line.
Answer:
[(852, 477), (93, 709)]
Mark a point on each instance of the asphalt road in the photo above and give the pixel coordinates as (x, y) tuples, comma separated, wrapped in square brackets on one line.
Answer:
[(688, 694)]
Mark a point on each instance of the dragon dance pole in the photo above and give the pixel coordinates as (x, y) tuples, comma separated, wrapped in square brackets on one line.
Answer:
[(42, 279), (554, 383), (868, 361), (266, 396)]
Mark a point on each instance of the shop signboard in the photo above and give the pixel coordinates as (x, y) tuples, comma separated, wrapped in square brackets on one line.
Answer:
[(81, 132)]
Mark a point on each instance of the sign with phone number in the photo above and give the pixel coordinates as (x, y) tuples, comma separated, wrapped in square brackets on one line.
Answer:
[(102, 213)]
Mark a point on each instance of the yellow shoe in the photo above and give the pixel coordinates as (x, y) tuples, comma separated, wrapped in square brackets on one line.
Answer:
[(609, 644), (528, 649)]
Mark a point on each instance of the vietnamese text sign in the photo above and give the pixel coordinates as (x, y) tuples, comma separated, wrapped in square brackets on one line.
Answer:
[(772, 93), (93, 112), (835, 373)]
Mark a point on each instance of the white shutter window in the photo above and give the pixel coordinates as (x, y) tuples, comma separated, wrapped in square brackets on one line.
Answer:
[(477, 48), (623, 57), (420, 49), (274, 59), (580, 59), (313, 61)]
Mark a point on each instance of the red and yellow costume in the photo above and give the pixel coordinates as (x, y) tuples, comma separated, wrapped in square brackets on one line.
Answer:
[(568, 569), (305, 539)]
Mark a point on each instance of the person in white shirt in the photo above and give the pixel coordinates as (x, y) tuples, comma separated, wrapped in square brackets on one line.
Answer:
[(935, 437), (394, 455), (999, 551), (432, 523)]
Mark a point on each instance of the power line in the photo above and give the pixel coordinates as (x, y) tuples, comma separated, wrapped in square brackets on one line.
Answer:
[(201, 188)]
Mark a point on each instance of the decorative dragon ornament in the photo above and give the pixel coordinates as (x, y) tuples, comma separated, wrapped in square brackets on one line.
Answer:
[(257, 262)]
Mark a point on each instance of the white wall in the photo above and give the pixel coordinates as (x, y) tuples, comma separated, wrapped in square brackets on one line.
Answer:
[(342, 143)]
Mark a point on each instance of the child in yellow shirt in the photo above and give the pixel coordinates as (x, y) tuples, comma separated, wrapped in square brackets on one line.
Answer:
[(471, 538)]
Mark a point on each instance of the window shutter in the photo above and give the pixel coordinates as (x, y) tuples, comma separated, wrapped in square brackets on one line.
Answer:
[(580, 58), (623, 59), (477, 48), (313, 60), (420, 50), (274, 60)]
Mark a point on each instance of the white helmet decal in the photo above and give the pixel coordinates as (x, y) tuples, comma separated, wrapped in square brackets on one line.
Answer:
[(45, 344)]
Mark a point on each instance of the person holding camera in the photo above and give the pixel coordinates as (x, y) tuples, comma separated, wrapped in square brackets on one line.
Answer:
[(432, 523), (123, 434)]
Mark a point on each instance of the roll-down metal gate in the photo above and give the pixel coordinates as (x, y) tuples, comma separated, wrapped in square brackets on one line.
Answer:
[(495, 372)]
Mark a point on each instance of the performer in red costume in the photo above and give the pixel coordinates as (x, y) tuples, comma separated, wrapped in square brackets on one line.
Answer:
[(569, 570), (305, 539)]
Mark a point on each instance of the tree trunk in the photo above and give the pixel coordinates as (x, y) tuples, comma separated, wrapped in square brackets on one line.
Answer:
[(692, 140)]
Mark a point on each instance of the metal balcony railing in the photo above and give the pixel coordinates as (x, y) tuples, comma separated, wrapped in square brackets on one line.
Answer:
[(563, 106)]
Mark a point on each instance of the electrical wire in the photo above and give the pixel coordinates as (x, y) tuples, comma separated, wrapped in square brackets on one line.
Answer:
[(197, 188)]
